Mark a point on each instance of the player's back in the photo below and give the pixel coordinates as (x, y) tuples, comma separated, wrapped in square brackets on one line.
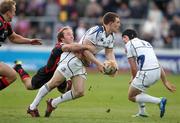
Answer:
[(53, 59), (145, 54)]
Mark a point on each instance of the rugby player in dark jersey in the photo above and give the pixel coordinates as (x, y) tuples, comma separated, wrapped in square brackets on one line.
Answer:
[(7, 12), (45, 73), (64, 44)]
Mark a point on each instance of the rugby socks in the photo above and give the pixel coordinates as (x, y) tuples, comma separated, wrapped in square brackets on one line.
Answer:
[(145, 98), (22, 73), (3, 83), (65, 97), (142, 108), (41, 93)]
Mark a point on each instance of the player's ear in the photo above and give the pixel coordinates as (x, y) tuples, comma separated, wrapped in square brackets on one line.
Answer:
[(62, 39), (125, 38), (110, 23)]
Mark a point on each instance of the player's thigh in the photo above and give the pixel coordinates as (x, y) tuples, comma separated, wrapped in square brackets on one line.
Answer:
[(7, 71), (56, 80), (132, 92), (39, 79), (78, 83)]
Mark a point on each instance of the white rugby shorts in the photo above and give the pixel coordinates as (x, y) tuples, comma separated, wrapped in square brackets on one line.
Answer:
[(145, 79), (70, 66)]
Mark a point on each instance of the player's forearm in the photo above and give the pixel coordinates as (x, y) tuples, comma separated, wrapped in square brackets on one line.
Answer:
[(133, 72), (74, 47), (163, 76), (18, 39), (91, 57), (110, 55), (83, 47), (133, 66)]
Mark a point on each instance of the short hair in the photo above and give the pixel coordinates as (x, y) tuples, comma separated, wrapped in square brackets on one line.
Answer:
[(130, 33), (61, 32), (6, 5), (109, 17)]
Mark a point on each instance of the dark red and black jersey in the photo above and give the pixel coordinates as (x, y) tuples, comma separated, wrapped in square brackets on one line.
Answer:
[(45, 73), (5, 29), (53, 60)]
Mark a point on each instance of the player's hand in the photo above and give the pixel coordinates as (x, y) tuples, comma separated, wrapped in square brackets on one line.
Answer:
[(170, 86), (100, 67), (36, 42)]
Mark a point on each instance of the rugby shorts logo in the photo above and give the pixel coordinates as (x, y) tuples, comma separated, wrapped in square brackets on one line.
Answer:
[(63, 69)]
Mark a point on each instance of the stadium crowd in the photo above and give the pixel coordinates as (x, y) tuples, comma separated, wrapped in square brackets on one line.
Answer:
[(155, 21)]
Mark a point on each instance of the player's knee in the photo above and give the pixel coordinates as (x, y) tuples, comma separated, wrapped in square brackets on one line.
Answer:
[(29, 87), (12, 77), (79, 93), (131, 98), (53, 84)]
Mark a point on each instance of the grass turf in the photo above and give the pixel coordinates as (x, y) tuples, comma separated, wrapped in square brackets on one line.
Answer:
[(105, 101)]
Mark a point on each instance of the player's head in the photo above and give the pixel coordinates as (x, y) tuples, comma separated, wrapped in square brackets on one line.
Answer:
[(65, 35), (128, 34), (7, 9), (111, 21)]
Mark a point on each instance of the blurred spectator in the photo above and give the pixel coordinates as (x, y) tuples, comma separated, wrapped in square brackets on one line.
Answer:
[(123, 11), (164, 30), (175, 31), (118, 40), (47, 35), (152, 26), (80, 31), (81, 7), (93, 9), (71, 10), (109, 5), (170, 10), (162, 5), (63, 15), (138, 8), (148, 29), (33, 17), (52, 9), (35, 8), (33, 32), (177, 4), (22, 26), (22, 7)]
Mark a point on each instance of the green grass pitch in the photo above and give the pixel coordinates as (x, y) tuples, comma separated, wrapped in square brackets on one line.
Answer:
[(105, 101)]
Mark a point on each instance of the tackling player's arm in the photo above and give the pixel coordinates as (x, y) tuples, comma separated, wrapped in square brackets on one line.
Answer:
[(76, 47), (166, 83), (18, 39)]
